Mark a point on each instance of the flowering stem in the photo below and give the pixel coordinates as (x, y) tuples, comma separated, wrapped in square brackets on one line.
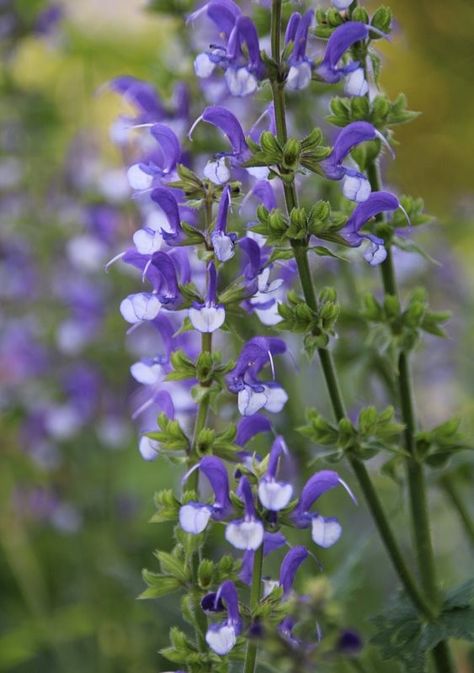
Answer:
[(301, 256), (453, 495), (255, 591), (415, 472)]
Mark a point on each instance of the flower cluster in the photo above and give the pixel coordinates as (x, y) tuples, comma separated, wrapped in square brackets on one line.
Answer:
[(223, 238)]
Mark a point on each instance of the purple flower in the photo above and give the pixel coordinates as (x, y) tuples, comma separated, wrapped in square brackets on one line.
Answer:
[(142, 96), (299, 74), (274, 495), (228, 123), (254, 394), (340, 41), (166, 200), (356, 186), (376, 203), (243, 72), (194, 516), (324, 531), (222, 637), (240, 56), (289, 567), (246, 533), (161, 162), (210, 316), (222, 242)]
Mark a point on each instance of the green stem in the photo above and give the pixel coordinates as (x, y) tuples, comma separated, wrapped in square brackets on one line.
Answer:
[(456, 500), (415, 472), (325, 357), (255, 592)]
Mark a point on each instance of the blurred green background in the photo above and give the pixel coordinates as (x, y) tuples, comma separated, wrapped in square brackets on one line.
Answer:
[(68, 598)]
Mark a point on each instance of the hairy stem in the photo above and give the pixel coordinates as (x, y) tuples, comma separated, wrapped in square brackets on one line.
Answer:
[(255, 591), (325, 357), (414, 469)]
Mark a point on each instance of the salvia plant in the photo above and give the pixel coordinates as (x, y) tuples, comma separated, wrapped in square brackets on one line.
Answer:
[(243, 197)]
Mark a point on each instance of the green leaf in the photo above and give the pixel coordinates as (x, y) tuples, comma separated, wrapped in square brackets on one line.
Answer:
[(158, 585)]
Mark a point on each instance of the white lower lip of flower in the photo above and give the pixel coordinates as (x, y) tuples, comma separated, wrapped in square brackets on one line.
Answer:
[(356, 84), (342, 4), (203, 66), (223, 247), (148, 448), (194, 519), (240, 82), (247, 535), (249, 401), (148, 375), (217, 171), (356, 189), (221, 640), (147, 242), (276, 399), (269, 316), (208, 318), (138, 307), (138, 179), (325, 532), (375, 254), (259, 172), (274, 495), (299, 76)]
